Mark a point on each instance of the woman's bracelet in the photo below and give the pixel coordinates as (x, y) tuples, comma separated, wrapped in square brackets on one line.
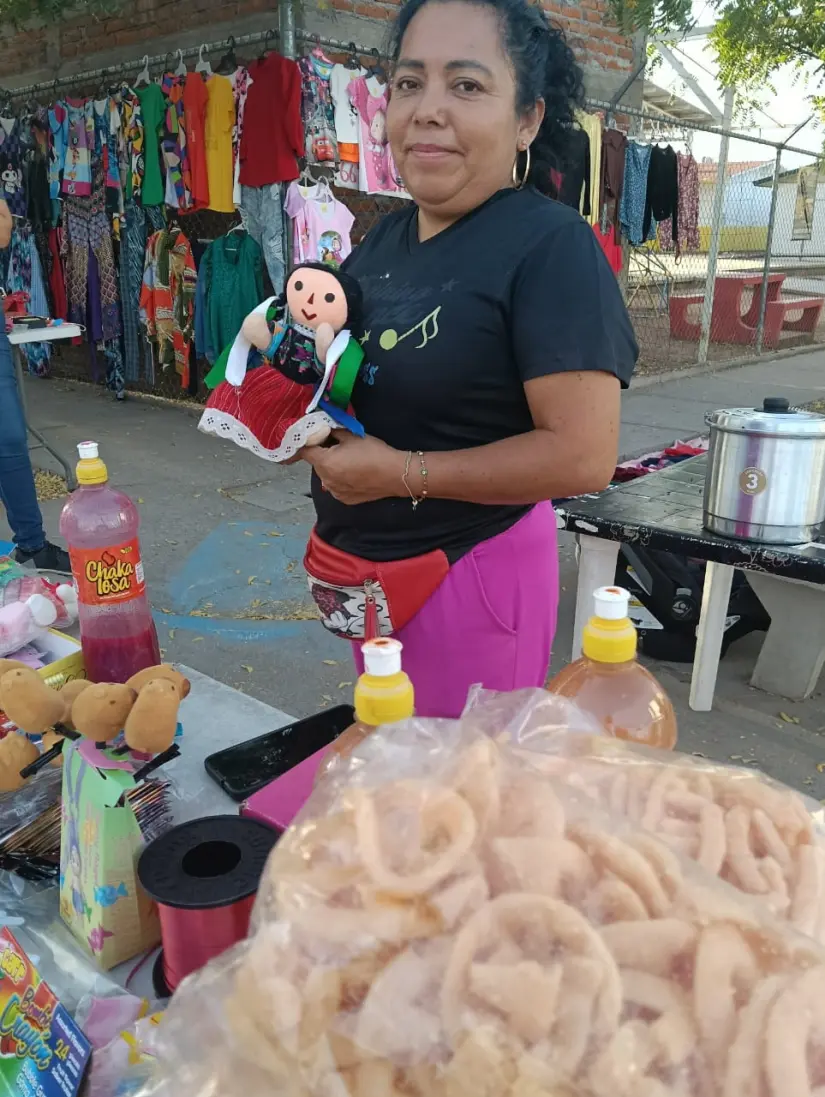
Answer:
[(416, 499)]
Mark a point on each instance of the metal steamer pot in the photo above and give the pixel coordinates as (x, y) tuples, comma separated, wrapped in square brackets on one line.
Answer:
[(766, 473)]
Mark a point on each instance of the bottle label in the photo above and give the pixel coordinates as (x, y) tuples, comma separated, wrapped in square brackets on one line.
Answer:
[(105, 576)]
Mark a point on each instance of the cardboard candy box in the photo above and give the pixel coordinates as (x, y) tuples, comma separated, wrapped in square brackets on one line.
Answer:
[(101, 900)]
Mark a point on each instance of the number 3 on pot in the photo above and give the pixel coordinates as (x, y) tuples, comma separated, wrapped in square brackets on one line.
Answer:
[(752, 481)]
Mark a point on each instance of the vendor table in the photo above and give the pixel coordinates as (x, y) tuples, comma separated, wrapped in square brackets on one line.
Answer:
[(663, 510), (17, 337)]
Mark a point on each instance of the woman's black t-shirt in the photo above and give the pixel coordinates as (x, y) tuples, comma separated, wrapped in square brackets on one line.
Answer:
[(452, 328)]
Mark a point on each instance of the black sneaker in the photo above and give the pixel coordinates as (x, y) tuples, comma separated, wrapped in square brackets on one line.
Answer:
[(49, 558)]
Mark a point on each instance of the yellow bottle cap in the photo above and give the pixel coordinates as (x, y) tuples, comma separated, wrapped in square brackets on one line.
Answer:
[(383, 694), (90, 469), (610, 636)]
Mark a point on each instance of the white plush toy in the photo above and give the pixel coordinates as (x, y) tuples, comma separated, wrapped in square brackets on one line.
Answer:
[(22, 622)]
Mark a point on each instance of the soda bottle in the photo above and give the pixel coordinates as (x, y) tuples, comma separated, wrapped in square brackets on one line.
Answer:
[(609, 682), (100, 525), (383, 695)]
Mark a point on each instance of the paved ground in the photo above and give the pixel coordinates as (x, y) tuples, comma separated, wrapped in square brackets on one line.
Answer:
[(223, 536)]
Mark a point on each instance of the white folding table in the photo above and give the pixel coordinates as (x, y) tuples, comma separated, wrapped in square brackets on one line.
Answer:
[(18, 336)]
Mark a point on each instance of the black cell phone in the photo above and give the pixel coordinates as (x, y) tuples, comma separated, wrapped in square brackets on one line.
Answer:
[(247, 767)]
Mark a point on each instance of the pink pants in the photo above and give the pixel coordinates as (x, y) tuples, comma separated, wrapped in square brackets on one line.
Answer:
[(491, 621)]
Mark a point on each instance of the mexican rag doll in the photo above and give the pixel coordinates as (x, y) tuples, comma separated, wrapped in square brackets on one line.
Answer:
[(286, 381)]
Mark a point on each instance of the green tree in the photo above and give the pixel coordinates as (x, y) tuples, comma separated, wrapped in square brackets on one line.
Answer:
[(751, 38)]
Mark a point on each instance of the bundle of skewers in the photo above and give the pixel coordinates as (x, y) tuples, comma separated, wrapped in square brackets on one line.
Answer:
[(32, 851)]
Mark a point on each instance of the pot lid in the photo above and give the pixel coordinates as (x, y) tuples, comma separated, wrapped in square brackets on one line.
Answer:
[(775, 417)]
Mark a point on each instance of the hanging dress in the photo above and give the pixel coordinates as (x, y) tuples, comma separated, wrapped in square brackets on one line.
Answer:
[(12, 150), (317, 110), (178, 194)]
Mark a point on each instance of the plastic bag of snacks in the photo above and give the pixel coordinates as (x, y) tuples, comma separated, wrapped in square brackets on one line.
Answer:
[(447, 919), (760, 836)]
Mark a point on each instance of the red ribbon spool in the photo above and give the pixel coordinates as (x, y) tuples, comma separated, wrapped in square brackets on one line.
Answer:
[(203, 875)]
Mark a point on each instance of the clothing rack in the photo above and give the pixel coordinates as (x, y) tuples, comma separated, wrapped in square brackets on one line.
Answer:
[(223, 44)]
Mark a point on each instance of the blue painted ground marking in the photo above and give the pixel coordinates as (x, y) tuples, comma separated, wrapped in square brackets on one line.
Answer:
[(237, 572)]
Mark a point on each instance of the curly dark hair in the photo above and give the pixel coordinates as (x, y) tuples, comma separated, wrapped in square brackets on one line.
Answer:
[(544, 68)]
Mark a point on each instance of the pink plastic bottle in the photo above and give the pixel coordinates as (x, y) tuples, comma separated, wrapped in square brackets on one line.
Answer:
[(100, 525)]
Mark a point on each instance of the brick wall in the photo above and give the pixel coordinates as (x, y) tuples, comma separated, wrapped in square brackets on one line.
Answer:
[(154, 26)]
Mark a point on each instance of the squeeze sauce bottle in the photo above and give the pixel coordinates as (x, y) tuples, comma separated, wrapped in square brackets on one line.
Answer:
[(383, 695), (610, 684), (100, 525)]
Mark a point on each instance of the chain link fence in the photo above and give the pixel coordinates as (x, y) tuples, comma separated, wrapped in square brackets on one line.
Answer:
[(747, 279), (752, 279)]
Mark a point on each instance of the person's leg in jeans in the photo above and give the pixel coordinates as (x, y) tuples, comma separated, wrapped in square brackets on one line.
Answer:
[(17, 489)]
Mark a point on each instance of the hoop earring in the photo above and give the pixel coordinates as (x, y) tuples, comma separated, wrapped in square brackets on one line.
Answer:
[(519, 183)]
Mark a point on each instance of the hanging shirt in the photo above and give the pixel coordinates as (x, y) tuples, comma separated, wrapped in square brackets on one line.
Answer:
[(451, 336), (345, 111), (592, 126), (233, 271), (662, 199), (634, 192), (12, 152), (329, 224), (174, 144), (77, 170), (317, 112), (614, 148), (295, 203), (131, 150), (273, 136), (152, 108), (241, 82), (194, 104), (377, 173), (59, 129), (220, 118), (688, 216), (167, 300)]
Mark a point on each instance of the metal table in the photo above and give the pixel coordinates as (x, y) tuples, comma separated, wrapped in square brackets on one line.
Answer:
[(663, 510), (17, 337)]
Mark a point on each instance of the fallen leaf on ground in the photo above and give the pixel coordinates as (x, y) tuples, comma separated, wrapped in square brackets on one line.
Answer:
[(330, 662), (247, 533), (273, 533), (246, 667), (251, 580), (343, 685), (788, 719), (197, 640), (171, 634)]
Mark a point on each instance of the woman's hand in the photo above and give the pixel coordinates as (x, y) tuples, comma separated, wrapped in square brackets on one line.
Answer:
[(358, 470)]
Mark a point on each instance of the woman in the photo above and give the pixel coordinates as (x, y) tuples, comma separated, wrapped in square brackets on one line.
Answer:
[(497, 341), (17, 489)]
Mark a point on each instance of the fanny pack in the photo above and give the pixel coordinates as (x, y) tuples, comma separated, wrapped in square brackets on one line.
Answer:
[(361, 599)]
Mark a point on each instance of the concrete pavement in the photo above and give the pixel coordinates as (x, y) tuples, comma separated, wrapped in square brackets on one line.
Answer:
[(223, 536)]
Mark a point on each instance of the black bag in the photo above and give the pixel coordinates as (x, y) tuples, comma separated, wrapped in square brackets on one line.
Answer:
[(669, 587)]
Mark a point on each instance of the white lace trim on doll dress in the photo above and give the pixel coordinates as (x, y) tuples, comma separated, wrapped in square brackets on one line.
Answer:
[(222, 425)]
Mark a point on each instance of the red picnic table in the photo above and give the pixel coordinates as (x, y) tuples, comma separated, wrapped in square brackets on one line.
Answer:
[(731, 322)]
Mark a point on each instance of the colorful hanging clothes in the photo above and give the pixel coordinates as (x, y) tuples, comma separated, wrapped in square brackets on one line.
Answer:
[(241, 82), (614, 149), (634, 193), (317, 110), (195, 101), (131, 148), (88, 233), (12, 154), (591, 124), (220, 118), (322, 225), (688, 219), (167, 300), (59, 129), (347, 124), (377, 173), (132, 256), (24, 274), (662, 200), (273, 136), (178, 195), (232, 269), (77, 170), (152, 108), (295, 203)]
